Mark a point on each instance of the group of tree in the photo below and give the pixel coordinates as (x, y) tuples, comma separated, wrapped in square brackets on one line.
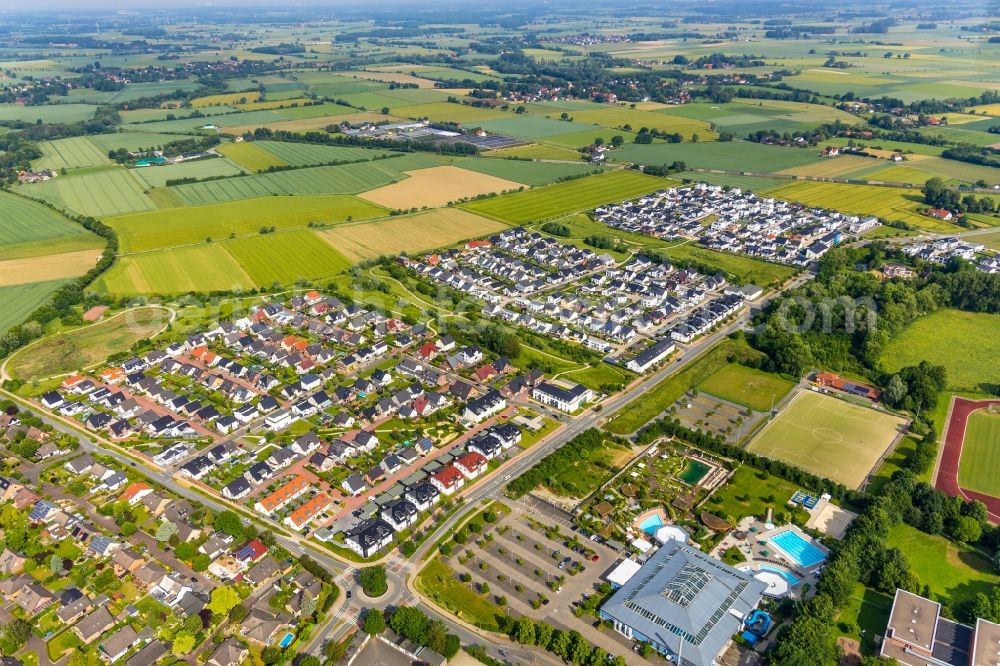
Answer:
[(578, 448), (571, 646), (414, 624), (938, 195), (373, 581)]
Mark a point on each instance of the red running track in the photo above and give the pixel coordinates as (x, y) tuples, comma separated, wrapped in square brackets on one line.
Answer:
[(947, 476)]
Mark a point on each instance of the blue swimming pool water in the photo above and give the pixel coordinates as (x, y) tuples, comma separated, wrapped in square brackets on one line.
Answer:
[(797, 549), (792, 580), (287, 640), (651, 524)]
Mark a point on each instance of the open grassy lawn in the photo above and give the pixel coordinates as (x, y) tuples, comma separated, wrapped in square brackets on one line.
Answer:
[(413, 233), (980, 461), (867, 610), (99, 193), (570, 197), (71, 153), (751, 492), (954, 573), (157, 176), (893, 464), (640, 412), (438, 581), (745, 386), (17, 302), (965, 343), (828, 437), (586, 474), (743, 270), (183, 226), (65, 352)]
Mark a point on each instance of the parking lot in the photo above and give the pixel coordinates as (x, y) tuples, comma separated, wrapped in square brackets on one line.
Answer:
[(527, 562)]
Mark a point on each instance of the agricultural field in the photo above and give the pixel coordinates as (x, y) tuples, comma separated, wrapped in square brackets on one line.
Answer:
[(977, 469), (620, 117), (724, 155), (411, 234), (53, 113), (243, 263), (965, 343), (343, 179), (29, 228), (449, 112), (47, 268), (435, 187), (304, 154), (524, 126), (836, 167), (829, 437), (893, 204), (538, 151), (157, 176), (251, 156), (174, 227), (574, 196), (133, 141), (226, 99), (71, 153), (746, 386), (522, 171), (16, 303), (78, 348), (99, 193)]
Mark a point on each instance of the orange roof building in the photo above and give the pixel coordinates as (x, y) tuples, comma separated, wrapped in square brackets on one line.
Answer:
[(847, 386), (304, 514), (72, 381), (135, 492), (280, 498), (294, 343), (112, 375)]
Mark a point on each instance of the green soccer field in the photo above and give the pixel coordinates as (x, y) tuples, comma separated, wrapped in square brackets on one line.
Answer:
[(829, 437), (981, 454)]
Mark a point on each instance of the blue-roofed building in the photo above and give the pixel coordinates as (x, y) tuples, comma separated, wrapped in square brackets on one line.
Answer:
[(42, 509), (684, 604)]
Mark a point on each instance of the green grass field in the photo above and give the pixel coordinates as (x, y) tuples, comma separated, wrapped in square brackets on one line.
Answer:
[(439, 582), (980, 461), (286, 257), (828, 437), (745, 386), (751, 492), (965, 343), (954, 573), (18, 301), (181, 226), (738, 268), (640, 412), (157, 176), (71, 153), (571, 197), (65, 352), (112, 191)]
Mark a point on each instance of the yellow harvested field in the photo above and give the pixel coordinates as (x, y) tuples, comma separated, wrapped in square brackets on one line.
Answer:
[(988, 109), (833, 167), (887, 154), (49, 267), (390, 77), (226, 99), (436, 186), (413, 233)]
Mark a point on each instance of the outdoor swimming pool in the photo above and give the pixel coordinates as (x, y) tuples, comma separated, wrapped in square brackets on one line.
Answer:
[(792, 580), (651, 524), (797, 549), (287, 639)]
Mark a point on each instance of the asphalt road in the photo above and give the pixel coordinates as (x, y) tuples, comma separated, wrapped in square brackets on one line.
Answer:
[(400, 591)]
